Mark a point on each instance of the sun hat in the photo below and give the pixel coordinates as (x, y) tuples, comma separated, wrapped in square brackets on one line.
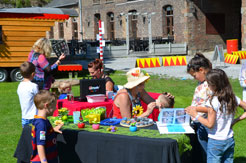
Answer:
[(135, 77)]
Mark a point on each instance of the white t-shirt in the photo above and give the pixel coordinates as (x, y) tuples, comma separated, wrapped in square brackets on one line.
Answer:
[(26, 92), (222, 127)]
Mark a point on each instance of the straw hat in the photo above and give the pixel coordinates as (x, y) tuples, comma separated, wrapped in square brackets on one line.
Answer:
[(135, 77)]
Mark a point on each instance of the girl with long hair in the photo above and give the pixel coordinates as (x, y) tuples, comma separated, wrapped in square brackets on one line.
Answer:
[(221, 108)]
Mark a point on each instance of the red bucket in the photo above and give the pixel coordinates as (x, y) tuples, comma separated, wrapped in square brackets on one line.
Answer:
[(232, 45)]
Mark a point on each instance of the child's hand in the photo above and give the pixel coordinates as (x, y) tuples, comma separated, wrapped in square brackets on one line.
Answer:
[(245, 81), (191, 110), (57, 128), (169, 95)]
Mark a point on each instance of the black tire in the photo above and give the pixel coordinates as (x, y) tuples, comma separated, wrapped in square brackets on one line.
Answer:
[(3, 75), (15, 75)]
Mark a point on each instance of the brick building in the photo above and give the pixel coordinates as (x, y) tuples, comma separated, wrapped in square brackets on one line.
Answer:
[(201, 24)]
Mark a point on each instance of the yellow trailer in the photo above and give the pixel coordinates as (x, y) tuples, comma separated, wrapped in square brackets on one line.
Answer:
[(19, 29)]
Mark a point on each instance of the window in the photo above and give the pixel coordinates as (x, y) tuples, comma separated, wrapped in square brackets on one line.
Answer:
[(61, 30), (51, 32), (110, 25), (108, 1), (97, 17), (95, 2), (133, 20), (167, 24), (75, 29), (215, 23)]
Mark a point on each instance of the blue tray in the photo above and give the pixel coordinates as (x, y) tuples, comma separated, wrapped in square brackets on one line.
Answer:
[(110, 121)]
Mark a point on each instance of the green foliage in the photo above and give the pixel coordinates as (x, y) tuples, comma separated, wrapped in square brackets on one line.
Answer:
[(28, 3), (19, 4)]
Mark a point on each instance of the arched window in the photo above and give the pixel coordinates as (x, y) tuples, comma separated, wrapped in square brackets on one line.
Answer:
[(75, 28), (167, 24), (110, 25), (97, 17), (133, 20), (61, 30)]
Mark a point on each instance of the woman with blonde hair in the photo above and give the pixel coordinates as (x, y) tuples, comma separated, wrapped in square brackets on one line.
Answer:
[(41, 51)]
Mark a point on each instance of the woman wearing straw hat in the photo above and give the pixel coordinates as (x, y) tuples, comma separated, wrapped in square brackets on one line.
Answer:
[(130, 96)]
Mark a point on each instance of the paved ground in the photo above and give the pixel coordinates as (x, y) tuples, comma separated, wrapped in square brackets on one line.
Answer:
[(172, 71)]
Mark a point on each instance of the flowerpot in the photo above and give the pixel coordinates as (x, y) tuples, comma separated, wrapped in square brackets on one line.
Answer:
[(133, 128), (95, 126)]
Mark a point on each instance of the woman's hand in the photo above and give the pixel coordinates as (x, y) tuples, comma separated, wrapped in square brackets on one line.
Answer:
[(62, 57), (151, 107)]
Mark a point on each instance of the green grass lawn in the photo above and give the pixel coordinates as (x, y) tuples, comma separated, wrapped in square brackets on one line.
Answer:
[(183, 90)]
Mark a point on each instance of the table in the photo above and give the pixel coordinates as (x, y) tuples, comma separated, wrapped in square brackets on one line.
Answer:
[(78, 106), (78, 146)]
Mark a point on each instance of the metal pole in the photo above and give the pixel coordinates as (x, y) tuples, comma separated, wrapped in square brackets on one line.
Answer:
[(150, 33), (127, 34), (80, 18)]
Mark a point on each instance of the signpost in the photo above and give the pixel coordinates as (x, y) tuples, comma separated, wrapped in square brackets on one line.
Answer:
[(101, 41), (218, 52)]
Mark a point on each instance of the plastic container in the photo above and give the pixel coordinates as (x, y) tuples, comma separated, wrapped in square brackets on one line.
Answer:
[(110, 121), (232, 45), (95, 98)]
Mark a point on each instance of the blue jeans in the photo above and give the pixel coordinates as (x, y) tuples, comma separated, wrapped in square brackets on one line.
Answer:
[(220, 151), (202, 137)]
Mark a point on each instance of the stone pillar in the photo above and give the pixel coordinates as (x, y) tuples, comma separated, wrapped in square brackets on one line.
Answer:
[(243, 24)]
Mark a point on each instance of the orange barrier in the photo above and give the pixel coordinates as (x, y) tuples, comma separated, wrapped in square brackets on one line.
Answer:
[(232, 59), (241, 54), (148, 62), (174, 61)]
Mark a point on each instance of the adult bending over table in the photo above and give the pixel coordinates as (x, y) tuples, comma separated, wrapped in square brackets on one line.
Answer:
[(132, 93), (41, 50), (95, 70)]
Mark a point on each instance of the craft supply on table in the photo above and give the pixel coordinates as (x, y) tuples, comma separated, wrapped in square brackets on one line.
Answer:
[(140, 122)]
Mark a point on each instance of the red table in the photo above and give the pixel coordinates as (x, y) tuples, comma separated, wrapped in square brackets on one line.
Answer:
[(77, 106)]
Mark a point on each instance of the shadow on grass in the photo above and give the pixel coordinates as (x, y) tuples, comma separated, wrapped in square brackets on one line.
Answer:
[(240, 159)]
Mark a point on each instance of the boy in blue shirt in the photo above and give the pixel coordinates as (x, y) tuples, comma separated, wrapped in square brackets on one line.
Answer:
[(43, 134)]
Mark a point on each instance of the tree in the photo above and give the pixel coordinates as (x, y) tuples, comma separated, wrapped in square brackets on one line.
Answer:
[(28, 3), (19, 4)]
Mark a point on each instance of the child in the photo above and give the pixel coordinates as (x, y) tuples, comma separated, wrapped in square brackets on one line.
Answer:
[(43, 135), (242, 80), (64, 88), (221, 108), (163, 101), (26, 91), (198, 67)]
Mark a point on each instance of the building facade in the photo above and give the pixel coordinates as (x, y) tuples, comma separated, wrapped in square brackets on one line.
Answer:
[(201, 24)]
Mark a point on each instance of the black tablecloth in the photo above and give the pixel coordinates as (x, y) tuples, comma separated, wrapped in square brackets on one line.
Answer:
[(76, 146)]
